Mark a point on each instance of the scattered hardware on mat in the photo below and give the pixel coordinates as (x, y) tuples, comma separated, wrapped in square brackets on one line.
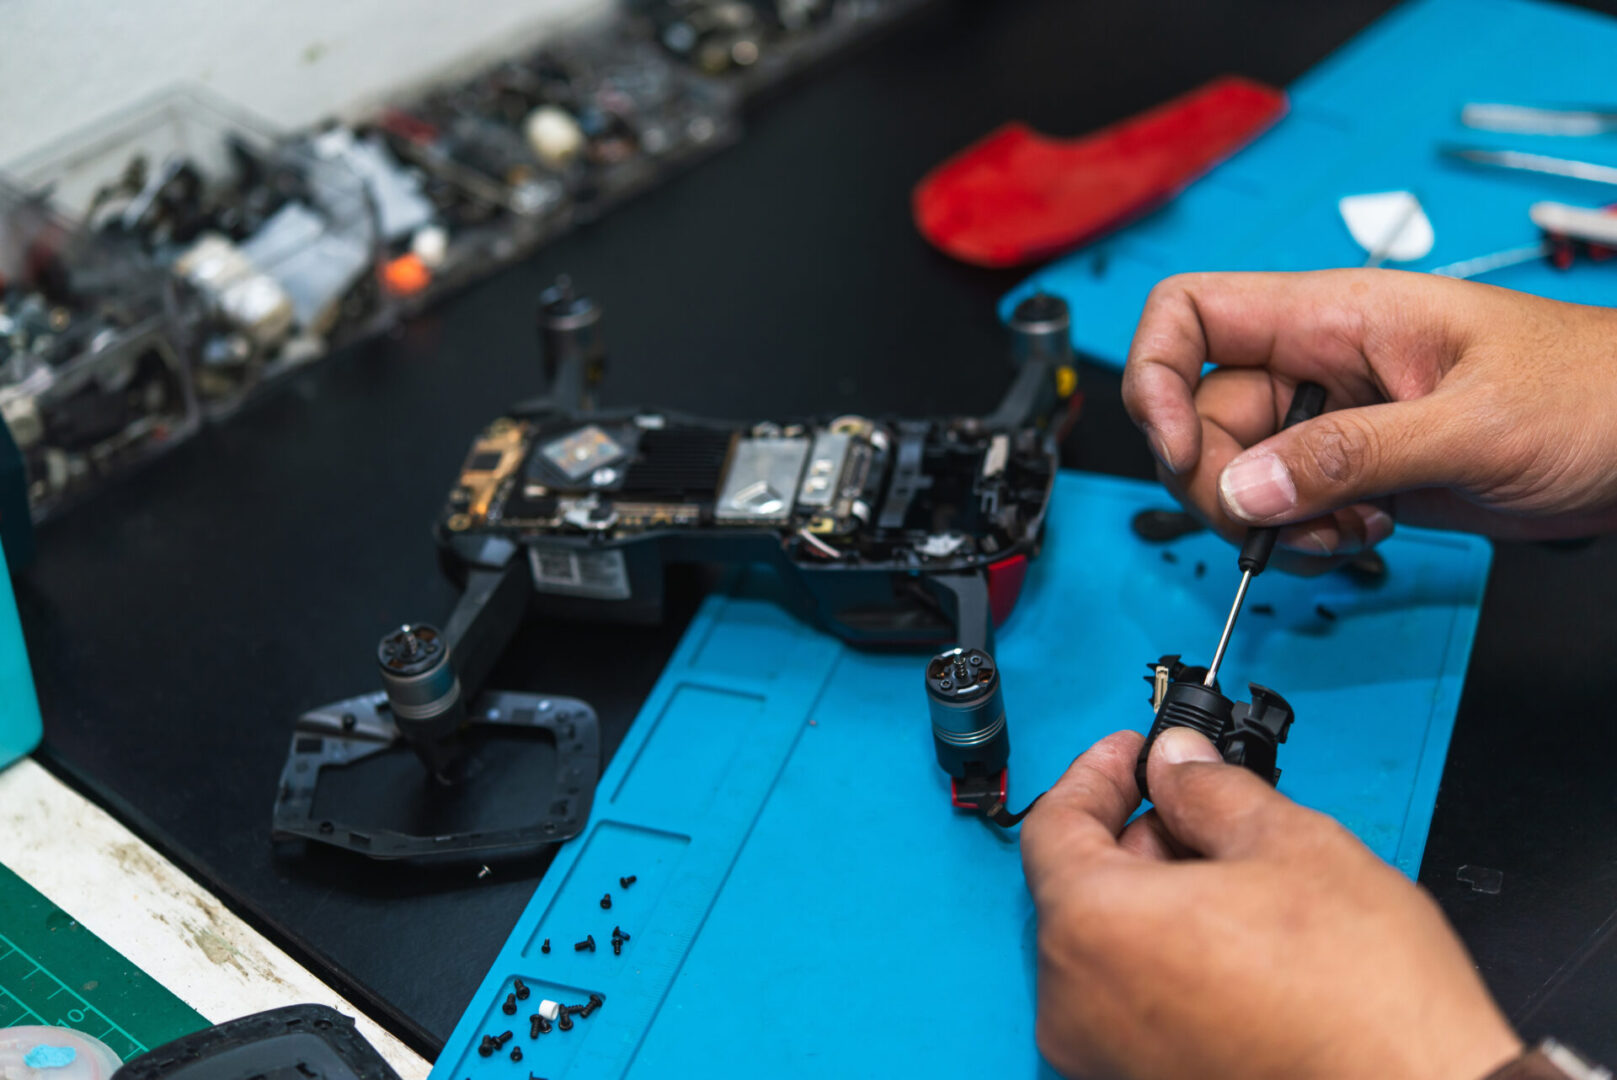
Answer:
[(1246, 733)]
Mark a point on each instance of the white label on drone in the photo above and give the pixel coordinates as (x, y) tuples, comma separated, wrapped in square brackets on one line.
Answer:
[(596, 575)]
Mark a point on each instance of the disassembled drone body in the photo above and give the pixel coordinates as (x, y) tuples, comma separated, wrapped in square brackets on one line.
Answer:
[(885, 532)]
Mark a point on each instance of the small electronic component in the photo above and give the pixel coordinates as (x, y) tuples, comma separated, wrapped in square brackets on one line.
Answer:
[(580, 453), (1247, 734), (554, 136), (761, 483), (968, 713), (249, 299)]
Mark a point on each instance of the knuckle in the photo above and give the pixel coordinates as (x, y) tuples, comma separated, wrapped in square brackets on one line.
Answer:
[(1169, 287), (1338, 449)]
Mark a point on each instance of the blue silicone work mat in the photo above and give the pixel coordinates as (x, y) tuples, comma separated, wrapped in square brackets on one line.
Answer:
[(807, 903), (1368, 119)]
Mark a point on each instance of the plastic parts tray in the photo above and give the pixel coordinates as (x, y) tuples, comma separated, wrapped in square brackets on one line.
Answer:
[(1370, 118), (807, 904)]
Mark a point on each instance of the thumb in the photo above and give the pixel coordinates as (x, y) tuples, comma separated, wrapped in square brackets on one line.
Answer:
[(1337, 459), (1212, 808)]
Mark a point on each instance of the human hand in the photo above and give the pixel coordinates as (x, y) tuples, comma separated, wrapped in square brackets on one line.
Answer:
[(1453, 404), (1230, 932)]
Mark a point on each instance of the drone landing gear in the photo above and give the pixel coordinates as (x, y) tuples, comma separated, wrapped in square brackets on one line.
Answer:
[(431, 767)]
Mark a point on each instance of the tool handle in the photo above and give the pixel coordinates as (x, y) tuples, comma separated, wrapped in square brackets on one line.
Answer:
[(1307, 403)]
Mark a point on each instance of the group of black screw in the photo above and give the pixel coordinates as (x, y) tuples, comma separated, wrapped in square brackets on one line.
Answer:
[(538, 1024), (618, 936)]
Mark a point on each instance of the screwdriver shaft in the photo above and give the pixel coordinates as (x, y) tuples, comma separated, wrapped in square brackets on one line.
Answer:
[(1229, 628)]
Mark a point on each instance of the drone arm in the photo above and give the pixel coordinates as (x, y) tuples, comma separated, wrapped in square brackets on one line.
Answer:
[(488, 614)]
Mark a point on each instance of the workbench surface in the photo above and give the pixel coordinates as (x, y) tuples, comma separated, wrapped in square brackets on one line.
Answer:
[(179, 622)]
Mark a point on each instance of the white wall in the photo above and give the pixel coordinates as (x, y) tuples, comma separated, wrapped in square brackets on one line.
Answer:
[(64, 63)]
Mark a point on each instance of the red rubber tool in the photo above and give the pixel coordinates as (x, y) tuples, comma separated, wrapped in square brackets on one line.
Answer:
[(1017, 196)]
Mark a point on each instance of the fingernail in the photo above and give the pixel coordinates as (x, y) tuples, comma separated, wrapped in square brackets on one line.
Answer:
[(1257, 487), (1313, 540), (1179, 745), (1159, 448), (1378, 524)]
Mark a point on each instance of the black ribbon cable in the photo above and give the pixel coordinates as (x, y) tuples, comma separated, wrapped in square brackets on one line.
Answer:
[(1004, 818)]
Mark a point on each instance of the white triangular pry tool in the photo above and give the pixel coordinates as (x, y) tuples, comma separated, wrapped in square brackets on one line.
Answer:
[(1391, 226)]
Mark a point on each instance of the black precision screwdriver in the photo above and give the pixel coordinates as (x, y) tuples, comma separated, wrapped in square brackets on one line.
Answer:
[(1307, 403)]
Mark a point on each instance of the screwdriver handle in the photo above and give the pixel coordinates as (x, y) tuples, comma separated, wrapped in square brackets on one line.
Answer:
[(1307, 403)]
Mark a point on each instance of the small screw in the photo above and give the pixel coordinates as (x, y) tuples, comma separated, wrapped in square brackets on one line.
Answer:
[(617, 946), (483, 872), (533, 1025), (565, 1020), (510, 1006), (522, 989), (502, 1038), (486, 1047), (1263, 609), (619, 934), (975, 661), (606, 902), (516, 1053), (595, 1003), (545, 948), (1201, 569), (588, 943), (625, 882)]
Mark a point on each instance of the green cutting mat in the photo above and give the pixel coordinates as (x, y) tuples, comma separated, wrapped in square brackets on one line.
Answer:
[(53, 971)]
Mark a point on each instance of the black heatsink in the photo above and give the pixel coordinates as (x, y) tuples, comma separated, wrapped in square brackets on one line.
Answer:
[(677, 464)]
